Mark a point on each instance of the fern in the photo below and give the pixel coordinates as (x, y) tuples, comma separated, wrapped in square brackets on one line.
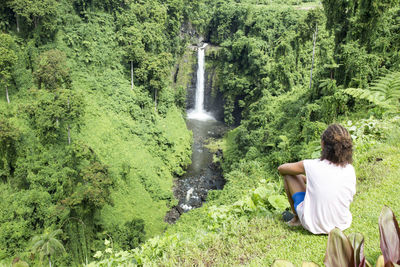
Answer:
[(384, 92), (389, 87)]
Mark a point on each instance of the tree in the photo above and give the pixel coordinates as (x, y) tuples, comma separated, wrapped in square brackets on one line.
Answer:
[(52, 71), (7, 60), (51, 113), (90, 188), (8, 149), (142, 31), (34, 10), (154, 73), (53, 74), (368, 15), (338, 14), (130, 234), (47, 244)]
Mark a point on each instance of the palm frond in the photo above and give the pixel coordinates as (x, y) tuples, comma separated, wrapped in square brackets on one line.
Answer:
[(47, 244), (55, 233), (56, 245)]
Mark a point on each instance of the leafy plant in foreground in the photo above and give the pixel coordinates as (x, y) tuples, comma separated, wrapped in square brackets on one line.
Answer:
[(263, 200), (348, 251), (390, 237), (345, 251)]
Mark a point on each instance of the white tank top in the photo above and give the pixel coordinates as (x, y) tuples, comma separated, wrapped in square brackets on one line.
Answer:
[(329, 192)]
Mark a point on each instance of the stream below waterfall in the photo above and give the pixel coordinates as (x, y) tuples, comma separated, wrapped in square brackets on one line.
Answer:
[(203, 174)]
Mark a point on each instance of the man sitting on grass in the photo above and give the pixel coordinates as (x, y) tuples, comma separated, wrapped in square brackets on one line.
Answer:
[(321, 199)]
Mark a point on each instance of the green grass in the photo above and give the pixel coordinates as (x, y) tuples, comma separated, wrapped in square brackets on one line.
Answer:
[(379, 188)]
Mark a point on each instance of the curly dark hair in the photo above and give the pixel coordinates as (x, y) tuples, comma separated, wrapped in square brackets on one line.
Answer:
[(337, 145)]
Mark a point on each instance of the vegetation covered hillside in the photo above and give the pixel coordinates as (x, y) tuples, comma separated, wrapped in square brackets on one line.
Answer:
[(263, 69), (91, 128)]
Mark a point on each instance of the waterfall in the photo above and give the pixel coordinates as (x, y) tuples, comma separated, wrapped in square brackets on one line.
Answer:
[(199, 113), (203, 174)]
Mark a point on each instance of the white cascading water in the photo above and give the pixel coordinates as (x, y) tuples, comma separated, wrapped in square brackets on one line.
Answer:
[(199, 113)]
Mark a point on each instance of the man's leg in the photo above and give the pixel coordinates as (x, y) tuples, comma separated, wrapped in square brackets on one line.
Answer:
[(294, 184)]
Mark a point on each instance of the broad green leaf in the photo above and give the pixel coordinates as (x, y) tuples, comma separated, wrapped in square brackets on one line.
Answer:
[(279, 202), (259, 195), (282, 263)]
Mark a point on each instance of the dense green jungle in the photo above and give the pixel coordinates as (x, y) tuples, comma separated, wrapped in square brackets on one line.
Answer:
[(93, 133)]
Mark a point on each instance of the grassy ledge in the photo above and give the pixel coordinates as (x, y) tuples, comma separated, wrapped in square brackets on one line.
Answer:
[(262, 239)]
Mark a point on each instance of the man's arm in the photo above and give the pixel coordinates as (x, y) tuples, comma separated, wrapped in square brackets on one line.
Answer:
[(292, 168)]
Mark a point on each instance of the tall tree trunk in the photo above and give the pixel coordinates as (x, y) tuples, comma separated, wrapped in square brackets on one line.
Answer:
[(8, 98), (69, 131), (155, 100), (35, 21), (49, 261), (17, 20), (313, 52), (69, 135), (131, 74)]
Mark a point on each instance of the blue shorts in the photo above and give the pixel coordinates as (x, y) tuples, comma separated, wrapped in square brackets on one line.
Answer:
[(298, 198)]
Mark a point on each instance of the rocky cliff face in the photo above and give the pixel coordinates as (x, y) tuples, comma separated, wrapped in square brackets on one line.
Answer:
[(191, 87), (213, 99)]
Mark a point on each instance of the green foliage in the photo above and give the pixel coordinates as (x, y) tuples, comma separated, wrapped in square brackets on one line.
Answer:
[(129, 235), (111, 258), (357, 25), (385, 92), (51, 113), (35, 10), (87, 154), (7, 58), (34, 18), (91, 41), (262, 201), (22, 211), (47, 245), (91, 188), (52, 71), (9, 137), (20, 263), (148, 32)]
